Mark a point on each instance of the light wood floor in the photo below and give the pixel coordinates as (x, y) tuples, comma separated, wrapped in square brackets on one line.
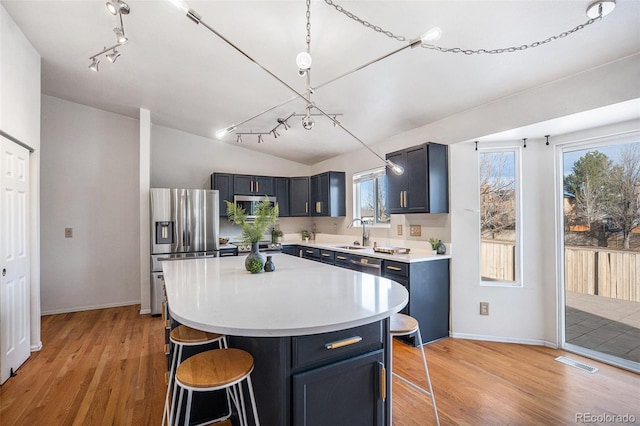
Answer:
[(106, 367)]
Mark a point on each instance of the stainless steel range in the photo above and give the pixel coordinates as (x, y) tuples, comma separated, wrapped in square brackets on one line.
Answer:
[(263, 246)]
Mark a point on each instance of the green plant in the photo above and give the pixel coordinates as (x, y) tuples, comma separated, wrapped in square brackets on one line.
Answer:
[(434, 243), (253, 231), (306, 234)]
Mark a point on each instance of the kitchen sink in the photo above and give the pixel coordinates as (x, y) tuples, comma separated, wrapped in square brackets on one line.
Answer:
[(351, 247)]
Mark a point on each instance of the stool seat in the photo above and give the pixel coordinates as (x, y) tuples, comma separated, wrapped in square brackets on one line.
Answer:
[(190, 336), (402, 324), (216, 368)]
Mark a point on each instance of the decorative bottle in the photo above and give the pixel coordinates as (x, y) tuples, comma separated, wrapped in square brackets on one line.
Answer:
[(441, 249)]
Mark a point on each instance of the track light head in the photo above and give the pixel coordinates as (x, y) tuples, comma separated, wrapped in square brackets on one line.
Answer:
[(113, 56), (395, 168), (259, 138), (122, 39), (94, 65), (117, 6), (221, 133), (284, 123), (239, 139)]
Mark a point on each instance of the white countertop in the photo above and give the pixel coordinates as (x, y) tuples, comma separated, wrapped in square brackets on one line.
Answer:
[(300, 297), (412, 256)]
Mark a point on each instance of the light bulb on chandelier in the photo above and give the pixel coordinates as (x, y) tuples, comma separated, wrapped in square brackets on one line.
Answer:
[(307, 121)]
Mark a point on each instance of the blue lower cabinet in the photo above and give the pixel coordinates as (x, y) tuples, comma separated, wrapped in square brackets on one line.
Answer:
[(346, 393)]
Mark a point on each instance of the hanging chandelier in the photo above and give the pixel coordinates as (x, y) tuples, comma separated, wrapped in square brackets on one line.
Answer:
[(595, 12)]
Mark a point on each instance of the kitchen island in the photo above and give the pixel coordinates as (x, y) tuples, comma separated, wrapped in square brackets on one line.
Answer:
[(319, 334)]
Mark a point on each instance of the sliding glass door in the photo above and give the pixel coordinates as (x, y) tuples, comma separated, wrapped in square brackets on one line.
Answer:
[(601, 250)]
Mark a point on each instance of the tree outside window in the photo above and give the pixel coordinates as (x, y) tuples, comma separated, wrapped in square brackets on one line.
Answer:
[(499, 212), (369, 195)]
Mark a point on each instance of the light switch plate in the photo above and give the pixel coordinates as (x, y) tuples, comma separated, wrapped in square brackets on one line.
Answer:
[(68, 232), (399, 230), (415, 230)]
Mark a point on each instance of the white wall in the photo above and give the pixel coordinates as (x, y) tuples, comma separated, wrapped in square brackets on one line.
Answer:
[(89, 182), (184, 160), (20, 118)]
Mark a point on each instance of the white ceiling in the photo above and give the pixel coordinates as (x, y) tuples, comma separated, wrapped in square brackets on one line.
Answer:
[(191, 80)]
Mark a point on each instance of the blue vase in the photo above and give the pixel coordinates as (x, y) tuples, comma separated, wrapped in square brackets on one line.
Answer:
[(255, 260), (269, 266)]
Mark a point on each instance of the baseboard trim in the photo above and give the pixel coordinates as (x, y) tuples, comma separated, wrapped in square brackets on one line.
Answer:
[(37, 348), (89, 308), (145, 311), (502, 339)]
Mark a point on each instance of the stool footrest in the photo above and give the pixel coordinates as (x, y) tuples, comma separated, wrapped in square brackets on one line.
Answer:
[(410, 383)]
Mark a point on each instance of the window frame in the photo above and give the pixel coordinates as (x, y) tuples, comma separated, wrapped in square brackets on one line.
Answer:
[(518, 250), (359, 177)]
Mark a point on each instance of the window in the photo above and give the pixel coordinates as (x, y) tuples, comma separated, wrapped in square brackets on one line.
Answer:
[(370, 196), (499, 216)]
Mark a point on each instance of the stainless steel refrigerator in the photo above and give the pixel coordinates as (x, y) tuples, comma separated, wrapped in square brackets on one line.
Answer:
[(184, 224)]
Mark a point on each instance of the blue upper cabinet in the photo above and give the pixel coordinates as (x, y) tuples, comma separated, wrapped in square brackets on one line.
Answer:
[(328, 194), (424, 186), (254, 185)]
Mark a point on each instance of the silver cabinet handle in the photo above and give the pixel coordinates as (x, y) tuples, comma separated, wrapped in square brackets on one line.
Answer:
[(344, 342)]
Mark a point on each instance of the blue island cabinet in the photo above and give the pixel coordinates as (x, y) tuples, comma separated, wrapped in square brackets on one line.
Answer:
[(336, 378)]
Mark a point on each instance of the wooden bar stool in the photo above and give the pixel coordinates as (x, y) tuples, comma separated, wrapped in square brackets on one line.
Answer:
[(215, 370), (403, 325), (180, 337)]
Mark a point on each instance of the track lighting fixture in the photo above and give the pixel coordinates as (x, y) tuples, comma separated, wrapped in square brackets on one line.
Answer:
[(120, 37), (259, 138), (283, 122), (113, 56), (239, 139), (117, 8), (94, 65), (221, 133)]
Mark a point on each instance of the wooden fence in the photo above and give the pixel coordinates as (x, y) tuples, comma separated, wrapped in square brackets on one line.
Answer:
[(497, 260), (603, 272)]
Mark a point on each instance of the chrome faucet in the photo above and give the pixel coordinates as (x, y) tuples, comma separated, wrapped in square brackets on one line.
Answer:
[(365, 237)]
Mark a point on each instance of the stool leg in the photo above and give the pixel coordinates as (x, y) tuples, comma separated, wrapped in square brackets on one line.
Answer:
[(253, 401), (426, 370), (188, 413), (175, 384), (243, 420), (172, 370), (175, 409)]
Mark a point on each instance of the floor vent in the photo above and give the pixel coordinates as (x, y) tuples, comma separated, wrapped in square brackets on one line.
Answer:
[(577, 364)]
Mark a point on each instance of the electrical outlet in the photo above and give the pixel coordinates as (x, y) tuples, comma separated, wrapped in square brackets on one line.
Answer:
[(415, 230), (399, 229), (484, 308), (68, 232)]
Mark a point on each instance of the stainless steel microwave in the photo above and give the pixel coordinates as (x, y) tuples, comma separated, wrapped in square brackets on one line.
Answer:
[(250, 203)]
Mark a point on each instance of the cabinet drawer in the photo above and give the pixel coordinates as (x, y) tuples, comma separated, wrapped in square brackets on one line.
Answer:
[(327, 256), (395, 268), (309, 252), (321, 348), (342, 259)]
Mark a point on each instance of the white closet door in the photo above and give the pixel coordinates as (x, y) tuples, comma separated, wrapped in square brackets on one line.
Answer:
[(14, 257)]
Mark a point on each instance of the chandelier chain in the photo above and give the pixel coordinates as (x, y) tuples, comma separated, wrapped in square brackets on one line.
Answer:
[(459, 49), (308, 25)]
